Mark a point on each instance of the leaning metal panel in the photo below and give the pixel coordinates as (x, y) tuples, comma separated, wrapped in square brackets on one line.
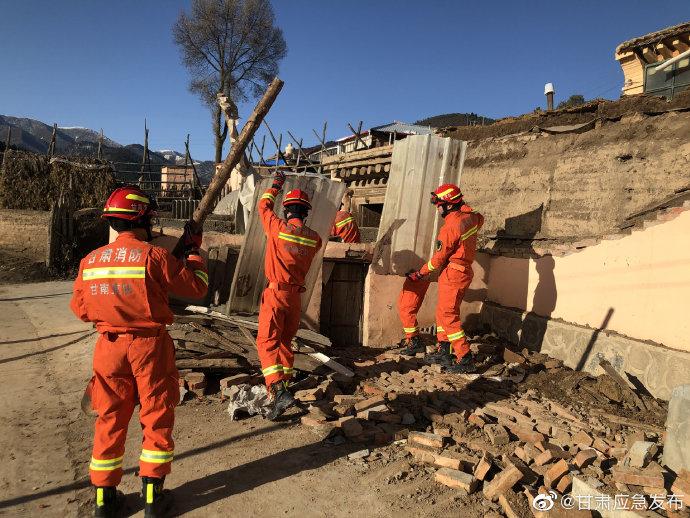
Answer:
[(249, 282), (409, 223)]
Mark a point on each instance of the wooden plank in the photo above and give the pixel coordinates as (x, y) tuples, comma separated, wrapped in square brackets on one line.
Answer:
[(247, 322), (608, 368), (358, 155), (628, 422), (222, 340), (211, 363)]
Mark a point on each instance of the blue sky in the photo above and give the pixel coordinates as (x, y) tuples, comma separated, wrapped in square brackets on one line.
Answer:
[(110, 64)]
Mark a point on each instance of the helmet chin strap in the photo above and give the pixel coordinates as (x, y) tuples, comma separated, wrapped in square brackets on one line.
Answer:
[(447, 208)]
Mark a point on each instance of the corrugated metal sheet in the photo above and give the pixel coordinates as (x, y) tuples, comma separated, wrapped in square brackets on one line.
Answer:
[(403, 127), (249, 281), (409, 223)]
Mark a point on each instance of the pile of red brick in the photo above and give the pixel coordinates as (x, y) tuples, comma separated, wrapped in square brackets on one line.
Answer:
[(487, 435)]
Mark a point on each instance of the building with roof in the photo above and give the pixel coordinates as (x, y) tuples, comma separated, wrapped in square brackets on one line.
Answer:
[(377, 136), (657, 63)]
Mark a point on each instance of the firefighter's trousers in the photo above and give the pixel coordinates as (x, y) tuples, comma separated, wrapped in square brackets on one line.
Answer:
[(131, 368)]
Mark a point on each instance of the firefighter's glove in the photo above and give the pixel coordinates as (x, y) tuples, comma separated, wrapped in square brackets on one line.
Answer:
[(278, 180), (192, 239), (415, 276)]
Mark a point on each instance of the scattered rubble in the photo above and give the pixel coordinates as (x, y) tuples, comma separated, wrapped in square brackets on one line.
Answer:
[(525, 426)]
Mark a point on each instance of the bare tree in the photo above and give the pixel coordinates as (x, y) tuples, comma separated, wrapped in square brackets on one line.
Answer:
[(231, 47)]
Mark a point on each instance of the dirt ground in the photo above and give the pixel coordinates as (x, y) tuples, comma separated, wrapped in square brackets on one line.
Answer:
[(245, 468)]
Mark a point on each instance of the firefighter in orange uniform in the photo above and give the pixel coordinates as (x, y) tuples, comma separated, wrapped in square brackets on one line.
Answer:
[(455, 250), (290, 249), (123, 289), (345, 229)]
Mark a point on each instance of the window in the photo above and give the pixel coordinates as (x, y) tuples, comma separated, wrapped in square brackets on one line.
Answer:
[(666, 83)]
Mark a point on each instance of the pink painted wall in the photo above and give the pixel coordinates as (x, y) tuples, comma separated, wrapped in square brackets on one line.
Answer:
[(644, 278)]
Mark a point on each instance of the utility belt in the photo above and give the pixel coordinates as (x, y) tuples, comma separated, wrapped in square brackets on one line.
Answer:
[(281, 286), (459, 267), (135, 333)]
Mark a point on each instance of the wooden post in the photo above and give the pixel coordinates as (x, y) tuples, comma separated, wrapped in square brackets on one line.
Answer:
[(322, 140), (53, 138), (277, 144), (234, 156), (99, 153), (145, 161)]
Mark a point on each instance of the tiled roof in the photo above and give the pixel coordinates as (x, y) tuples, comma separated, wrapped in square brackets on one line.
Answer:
[(653, 37)]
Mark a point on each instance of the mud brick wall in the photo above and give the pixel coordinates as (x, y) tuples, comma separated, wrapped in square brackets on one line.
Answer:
[(570, 187)]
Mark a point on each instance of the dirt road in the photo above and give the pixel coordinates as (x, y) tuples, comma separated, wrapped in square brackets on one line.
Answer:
[(222, 468)]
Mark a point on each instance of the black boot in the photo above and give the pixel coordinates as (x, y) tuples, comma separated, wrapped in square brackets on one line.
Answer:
[(157, 501), (282, 400), (109, 502), (464, 365), (442, 356), (413, 346)]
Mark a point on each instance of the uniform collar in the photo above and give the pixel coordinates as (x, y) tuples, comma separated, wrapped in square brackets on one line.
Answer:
[(127, 234), (295, 222)]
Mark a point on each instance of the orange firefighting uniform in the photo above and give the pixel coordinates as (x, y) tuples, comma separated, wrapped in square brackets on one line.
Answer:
[(345, 228), (290, 249), (455, 249), (410, 300), (123, 288)]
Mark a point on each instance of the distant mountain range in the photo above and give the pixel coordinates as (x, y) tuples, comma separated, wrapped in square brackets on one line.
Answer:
[(33, 135)]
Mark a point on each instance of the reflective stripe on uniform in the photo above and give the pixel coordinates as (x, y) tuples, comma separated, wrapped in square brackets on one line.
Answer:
[(99, 497), (156, 457), (268, 196), (105, 464), (137, 197), (202, 275), (149, 493), (297, 239), (116, 209), (470, 232), (439, 329), (410, 329), (129, 272), (288, 371), (456, 336), (273, 369), (344, 222), (430, 266)]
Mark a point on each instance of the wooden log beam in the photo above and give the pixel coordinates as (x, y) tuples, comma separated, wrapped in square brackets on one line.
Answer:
[(220, 178), (608, 368)]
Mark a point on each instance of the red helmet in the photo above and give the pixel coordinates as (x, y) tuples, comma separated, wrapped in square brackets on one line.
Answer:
[(446, 193), (129, 203), (297, 197)]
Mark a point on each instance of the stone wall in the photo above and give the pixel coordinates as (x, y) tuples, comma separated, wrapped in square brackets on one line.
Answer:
[(658, 368)]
